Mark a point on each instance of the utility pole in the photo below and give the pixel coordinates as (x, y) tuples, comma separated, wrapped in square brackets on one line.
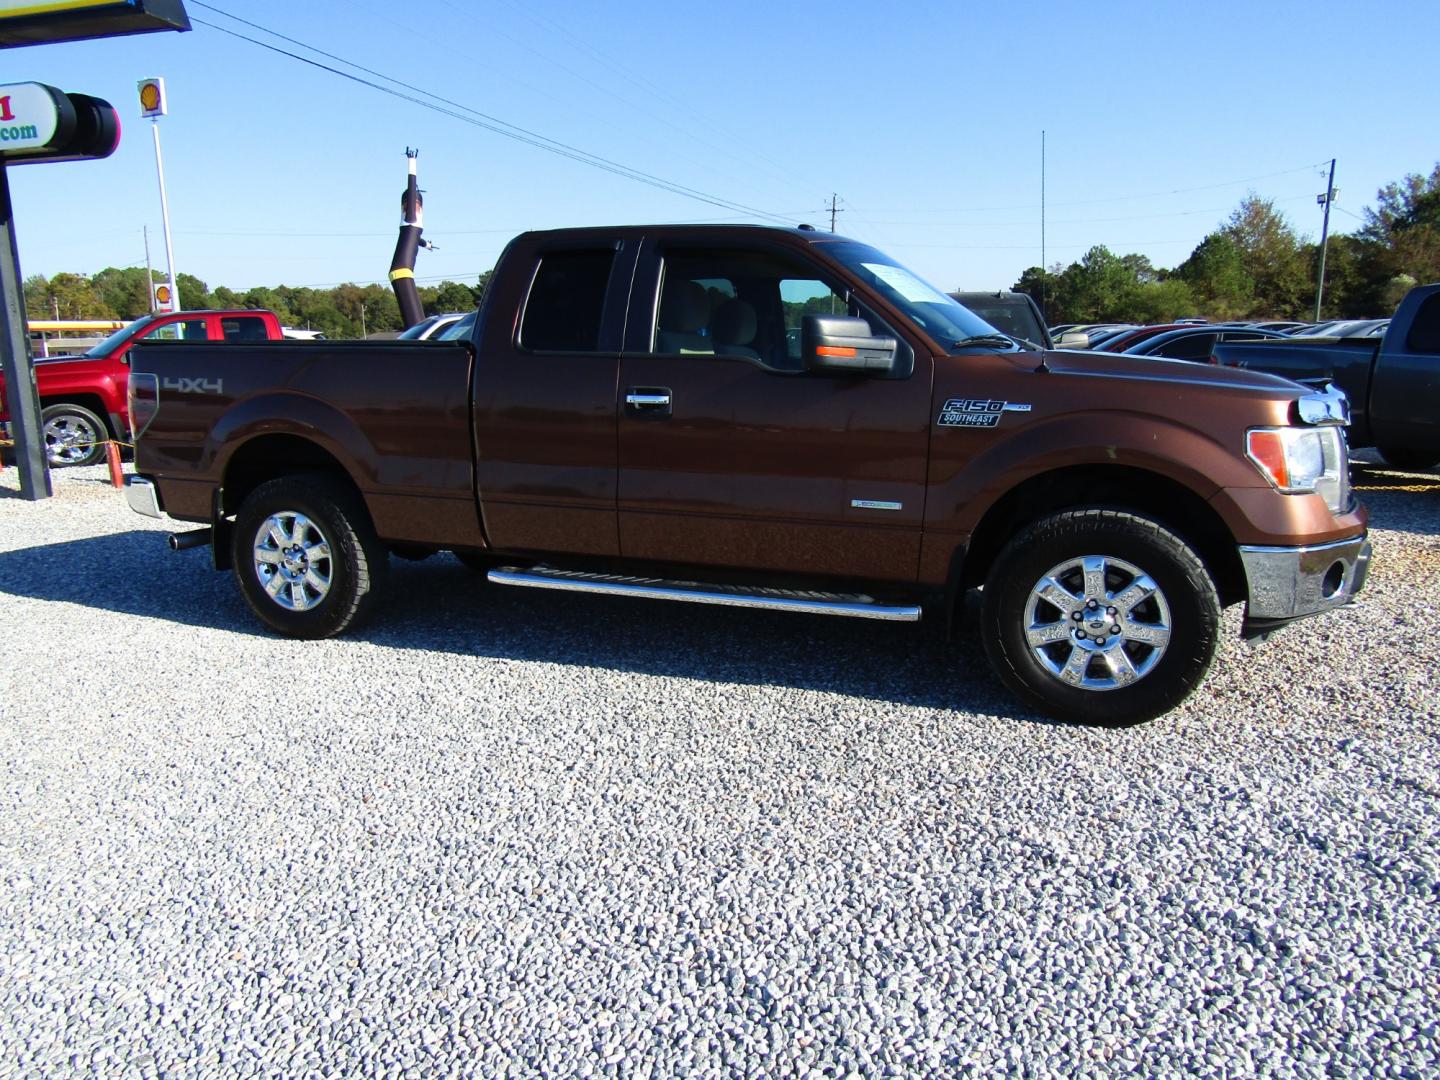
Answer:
[(1325, 201), (363, 332), (834, 210)]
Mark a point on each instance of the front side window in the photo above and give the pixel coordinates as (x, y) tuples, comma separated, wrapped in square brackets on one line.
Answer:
[(567, 302), (739, 303)]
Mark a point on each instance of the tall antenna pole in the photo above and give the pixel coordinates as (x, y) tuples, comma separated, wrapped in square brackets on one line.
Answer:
[(1325, 200), (1042, 227)]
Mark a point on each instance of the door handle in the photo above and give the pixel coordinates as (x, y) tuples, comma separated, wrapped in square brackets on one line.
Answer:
[(648, 397)]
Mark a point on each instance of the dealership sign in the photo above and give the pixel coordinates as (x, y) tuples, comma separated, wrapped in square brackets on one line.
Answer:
[(41, 124), (34, 22), (29, 116)]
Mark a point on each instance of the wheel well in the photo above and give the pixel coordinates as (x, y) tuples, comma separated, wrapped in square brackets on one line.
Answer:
[(92, 402), (272, 456), (1116, 487)]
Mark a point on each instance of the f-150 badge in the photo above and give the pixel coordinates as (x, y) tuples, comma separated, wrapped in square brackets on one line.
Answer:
[(976, 412)]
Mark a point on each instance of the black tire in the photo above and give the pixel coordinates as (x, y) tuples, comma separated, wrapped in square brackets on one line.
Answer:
[(1181, 617), (294, 604), (1408, 460), (73, 435)]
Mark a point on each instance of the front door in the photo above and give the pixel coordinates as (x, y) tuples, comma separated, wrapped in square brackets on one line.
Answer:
[(731, 454)]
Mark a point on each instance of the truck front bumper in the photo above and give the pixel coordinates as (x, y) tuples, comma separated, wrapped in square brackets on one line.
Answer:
[(1288, 583)]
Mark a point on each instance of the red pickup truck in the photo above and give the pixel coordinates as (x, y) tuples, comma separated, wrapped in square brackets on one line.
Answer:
[(82, 398), (771, 418)]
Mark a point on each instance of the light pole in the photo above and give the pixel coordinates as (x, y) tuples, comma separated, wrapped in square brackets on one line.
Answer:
[(153, 106)]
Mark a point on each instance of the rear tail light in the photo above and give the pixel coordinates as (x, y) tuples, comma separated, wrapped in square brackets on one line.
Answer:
[(143, 396)]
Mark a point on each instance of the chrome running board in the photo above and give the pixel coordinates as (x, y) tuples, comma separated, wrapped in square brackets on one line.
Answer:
[(855, 605)]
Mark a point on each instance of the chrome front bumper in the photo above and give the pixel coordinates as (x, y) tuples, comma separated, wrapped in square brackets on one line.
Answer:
[(142, 495), (1292, 582)]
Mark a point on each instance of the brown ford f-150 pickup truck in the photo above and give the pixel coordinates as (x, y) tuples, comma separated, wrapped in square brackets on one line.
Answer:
[(774, 418)]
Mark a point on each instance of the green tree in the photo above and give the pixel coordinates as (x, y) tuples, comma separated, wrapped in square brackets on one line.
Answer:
[(1271, 257), (1405, 226), (1042, 286), (451, 296), (1216, 274), (1162, 301), (1098, 288)]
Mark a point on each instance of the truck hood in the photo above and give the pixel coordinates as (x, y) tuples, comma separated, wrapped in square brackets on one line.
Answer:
[(1160, 369)]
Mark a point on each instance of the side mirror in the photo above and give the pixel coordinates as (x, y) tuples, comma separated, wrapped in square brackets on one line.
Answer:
[(840, 344)]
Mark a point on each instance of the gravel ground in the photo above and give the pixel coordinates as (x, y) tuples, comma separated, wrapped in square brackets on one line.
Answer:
[(502, 832)]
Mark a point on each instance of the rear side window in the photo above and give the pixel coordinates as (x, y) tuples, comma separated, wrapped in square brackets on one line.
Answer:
[(1425, 330), (567, 301), (243, 328)]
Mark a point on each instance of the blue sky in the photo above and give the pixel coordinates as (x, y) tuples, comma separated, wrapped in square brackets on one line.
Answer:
[(924, 117)]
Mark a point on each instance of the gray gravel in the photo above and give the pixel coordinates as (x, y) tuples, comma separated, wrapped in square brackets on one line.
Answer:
[(496, 832)]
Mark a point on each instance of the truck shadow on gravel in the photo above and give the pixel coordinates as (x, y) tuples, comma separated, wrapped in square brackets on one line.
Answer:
[(441, 606)]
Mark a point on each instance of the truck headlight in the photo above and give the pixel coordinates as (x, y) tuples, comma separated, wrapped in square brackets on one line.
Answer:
[(1303, 461)]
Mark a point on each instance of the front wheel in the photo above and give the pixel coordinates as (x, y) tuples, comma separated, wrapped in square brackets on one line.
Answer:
[(1100, 617), (306, 556), (73, 435)]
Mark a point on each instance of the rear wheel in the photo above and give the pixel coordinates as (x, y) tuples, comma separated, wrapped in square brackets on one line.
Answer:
[(1408, 460), (73, 435), (1100, 617), (306, 556)]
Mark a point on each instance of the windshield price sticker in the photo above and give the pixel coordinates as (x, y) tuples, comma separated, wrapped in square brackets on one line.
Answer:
[(976, 412)]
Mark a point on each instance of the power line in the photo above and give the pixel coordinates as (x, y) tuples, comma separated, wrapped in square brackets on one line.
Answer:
[(1096, 202), (476, 118)]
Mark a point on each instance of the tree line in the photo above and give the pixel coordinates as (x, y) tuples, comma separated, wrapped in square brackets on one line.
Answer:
[(1255, 266), (345, 311)]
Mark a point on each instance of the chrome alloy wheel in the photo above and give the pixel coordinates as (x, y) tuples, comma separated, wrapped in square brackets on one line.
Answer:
[(1097, 622), (292, 560), (69, 439)]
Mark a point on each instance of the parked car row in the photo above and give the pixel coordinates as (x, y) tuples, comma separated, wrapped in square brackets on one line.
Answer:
[(1124, 337)]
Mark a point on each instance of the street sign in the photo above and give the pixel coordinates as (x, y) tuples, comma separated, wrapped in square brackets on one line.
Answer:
[(35, 22), (152, 97), (164, 301)]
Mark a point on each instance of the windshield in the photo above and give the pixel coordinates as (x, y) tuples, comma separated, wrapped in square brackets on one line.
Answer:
[(111, 343), (940, 316), (459, 329)]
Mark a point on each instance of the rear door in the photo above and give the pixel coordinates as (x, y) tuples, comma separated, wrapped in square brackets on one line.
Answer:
[(731, 454), (544, 412)]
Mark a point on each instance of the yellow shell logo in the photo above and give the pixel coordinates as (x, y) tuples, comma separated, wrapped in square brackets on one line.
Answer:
[(162, 294), (149, 97)]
